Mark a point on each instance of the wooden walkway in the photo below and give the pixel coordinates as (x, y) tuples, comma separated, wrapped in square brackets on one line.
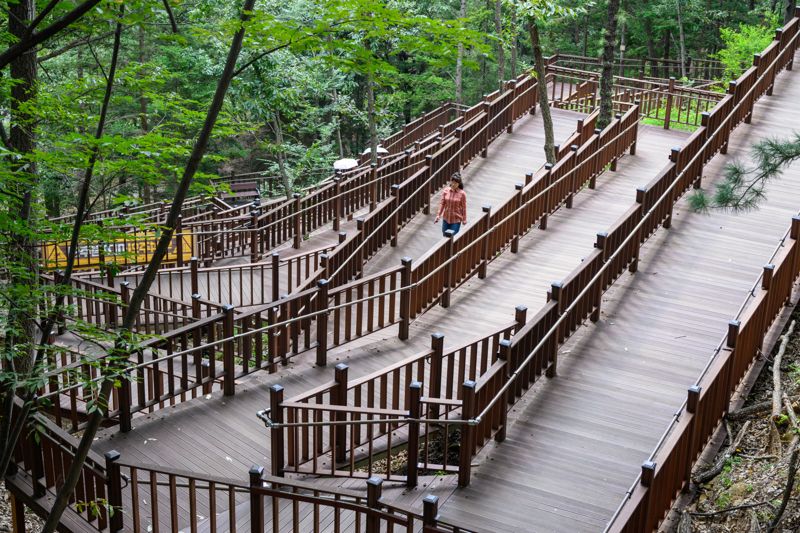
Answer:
[(577, 441)]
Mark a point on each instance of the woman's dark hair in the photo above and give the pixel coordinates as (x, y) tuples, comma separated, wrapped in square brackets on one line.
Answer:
[(457, 178)]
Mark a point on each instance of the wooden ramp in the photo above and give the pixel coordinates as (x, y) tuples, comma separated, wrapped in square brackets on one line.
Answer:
[(486, 181), (579, 439), (576, 441)]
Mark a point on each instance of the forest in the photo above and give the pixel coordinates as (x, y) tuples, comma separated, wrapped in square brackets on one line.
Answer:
[(113, 106)]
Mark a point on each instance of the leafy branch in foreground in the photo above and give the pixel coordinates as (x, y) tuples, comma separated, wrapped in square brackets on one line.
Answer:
[(744, 187)]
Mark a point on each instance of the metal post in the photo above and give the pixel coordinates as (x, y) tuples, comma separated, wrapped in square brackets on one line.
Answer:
[(414, 394), (467, 432), (486, 239), (114, 489), (448, 269), (276, 433), (228, 363), (297, 221), (256, 499), (374, 490), (405, 298), (322, 322)]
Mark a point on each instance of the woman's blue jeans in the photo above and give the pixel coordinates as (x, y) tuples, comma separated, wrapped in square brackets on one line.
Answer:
[(447, 226)]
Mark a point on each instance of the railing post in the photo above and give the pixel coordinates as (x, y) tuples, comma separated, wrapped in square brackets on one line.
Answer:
[(179, 241), (573, 181), (125, 297), (297, 220), (396, 216), (528, 178), (486, 239), (646, 480), (374, 490), (766, 278), (430, 510), (405, 298), (692, 401), (125, 404), (731, 342), (257, 524), (555, 295), (435, 376), (459, 134), (504, 355), (414, 394), (668, 111), (276, 432), (340, 398), (253, 237), (276, 275), (517, 218), (373, 186), (467, 432), (361, 257), (194, 264), (322, 322), (114, 490), (673, 156), (228, 363), (520, 317), (448, 269), (338, 204)]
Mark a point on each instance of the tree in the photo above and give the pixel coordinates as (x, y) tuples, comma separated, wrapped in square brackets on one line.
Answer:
[(123, 340), (535, 12), (607, 75), (744, 187)]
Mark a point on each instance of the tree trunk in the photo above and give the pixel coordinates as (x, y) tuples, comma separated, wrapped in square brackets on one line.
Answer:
[(501, 54), (287, 183), (338, 123), (21, 322), (143, 123), (681, 38), (541, 70), (373, 126), (622, 47), (607, 73), (514, 43), (121, 348), (788, 14), (667, 40), (585, 50), (462, 13)]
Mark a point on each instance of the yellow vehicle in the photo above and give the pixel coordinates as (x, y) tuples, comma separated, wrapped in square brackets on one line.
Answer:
[(136, 250)]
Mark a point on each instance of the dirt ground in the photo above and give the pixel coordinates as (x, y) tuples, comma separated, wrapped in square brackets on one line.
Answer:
[(32, 522), (747, 494)]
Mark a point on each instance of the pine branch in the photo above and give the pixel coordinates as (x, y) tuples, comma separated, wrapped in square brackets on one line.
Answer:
[(743, 187)]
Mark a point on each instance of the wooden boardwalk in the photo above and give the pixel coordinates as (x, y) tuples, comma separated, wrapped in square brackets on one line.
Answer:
[(577, 441)]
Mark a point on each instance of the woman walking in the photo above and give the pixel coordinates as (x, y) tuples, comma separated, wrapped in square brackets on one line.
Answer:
[(453, 206)]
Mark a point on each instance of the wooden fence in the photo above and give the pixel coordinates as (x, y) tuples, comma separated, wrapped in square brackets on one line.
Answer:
[(646, 67), (114, 495), (347, 416), (668, 469), (532, 351), (665, 101), (215, 350)]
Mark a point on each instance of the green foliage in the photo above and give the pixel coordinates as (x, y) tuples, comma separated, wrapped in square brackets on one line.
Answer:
[(741, 44), (744, 187)]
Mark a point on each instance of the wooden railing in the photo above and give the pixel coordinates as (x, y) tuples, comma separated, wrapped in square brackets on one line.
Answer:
[(668, 468), (241, 285), (115, 495), (652, 67), (105, 307), (346, 428), (660, 100), (319, 317)]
